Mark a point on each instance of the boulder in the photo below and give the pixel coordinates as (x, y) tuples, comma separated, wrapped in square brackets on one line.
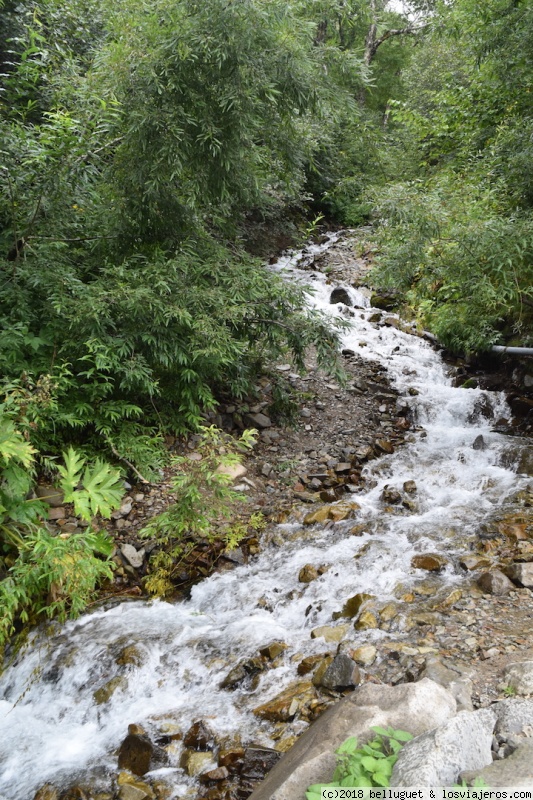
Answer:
[(273, 650), (195, 762), (519, 676), (105, 693), (522, 574), (199, 737), (459, 685), (47, 792), (340, 295), (415, 707), (352, 606), (515, 770), (134, 557), (307, 574), (438, 757), (135, 754), (431, 562), (234, 472), (495, 582), (342, 673), (285, 705), (514, 715)]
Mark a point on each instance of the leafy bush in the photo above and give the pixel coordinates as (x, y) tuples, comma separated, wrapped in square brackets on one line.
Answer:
[(365, 766), (42, 573), (204, 498)]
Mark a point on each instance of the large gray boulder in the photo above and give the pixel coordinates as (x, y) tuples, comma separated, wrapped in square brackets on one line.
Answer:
[(519, 676), (514, 715), (436, 758), (515, 770), (413, 707)]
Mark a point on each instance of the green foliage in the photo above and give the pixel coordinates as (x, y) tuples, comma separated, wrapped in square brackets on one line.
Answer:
[(203, 499), (43, 574), (365, 766)]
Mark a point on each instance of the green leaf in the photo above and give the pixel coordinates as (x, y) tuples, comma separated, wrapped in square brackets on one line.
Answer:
[(380, 779)]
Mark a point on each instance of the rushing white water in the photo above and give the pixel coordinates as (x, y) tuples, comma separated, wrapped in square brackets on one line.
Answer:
[(51, 729)]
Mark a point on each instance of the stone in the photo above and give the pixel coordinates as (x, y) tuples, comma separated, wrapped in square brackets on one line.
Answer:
[(495, 582), (56, 513), (308, 664), (474, 562), (385, 446), (353, 605), (458, 685), (431, 562), (336, 512), (106, 692), (307, 574), (131, 791), (47, 792), (131, 654), (285, 705), (231, 757), (409, 487), (195, 762), (514, 715), (342, 673), (135, 754), (388, 612), (340, 295), (134, 557), (320, 515), (244, 669), (436, 758), (218, 774), (522, 574), (364, 655), (519, 676), (234, 472), (199, 737), (259, 420), (390, 495), (479, 443), (330, 633), (273, 650), (366, 621), (258, 761), (515, 770), (415, 707), (52, 496)]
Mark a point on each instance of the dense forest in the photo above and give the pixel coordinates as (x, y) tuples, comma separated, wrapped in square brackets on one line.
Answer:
[(153, 152)]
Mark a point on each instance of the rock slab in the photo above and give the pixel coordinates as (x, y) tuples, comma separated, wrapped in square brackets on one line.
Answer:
[(515, 770), (438, 757), (415, 707)]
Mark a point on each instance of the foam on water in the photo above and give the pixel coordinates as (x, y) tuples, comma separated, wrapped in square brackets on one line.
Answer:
[(51, 729)]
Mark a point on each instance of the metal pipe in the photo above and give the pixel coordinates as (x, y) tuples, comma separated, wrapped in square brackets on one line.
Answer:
[(513, 351)]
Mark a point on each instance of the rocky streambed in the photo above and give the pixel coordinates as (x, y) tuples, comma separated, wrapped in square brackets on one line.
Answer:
[(403, 550)]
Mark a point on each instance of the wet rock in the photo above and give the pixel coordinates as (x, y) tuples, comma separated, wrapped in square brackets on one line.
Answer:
[(384, 446), (352, 606), (340, 295), (431, 562), (390, 495), (436, 758), (495, 582), (231, 757), (54, 497), (321, 670), (258, 761), (415, 707), (307, 574), (519, 676), (241, 671), (474, 562), (342, 673), (308, 664), (515, 770), (409, 487), (218, 774), (273, 650), (285, 705), (388, 612), (131, 655), (135, 754), (134, 557), (47, 792), (385, 300), (479, 443), (106, 692), (364, 655), (335, 512), (522, 574), (195, 762), (199, 737), (75, 793), (366, 621), (330, 633), (135, 791)]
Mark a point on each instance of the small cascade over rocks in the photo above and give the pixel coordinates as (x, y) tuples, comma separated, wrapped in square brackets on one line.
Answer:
[(67, 701)]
